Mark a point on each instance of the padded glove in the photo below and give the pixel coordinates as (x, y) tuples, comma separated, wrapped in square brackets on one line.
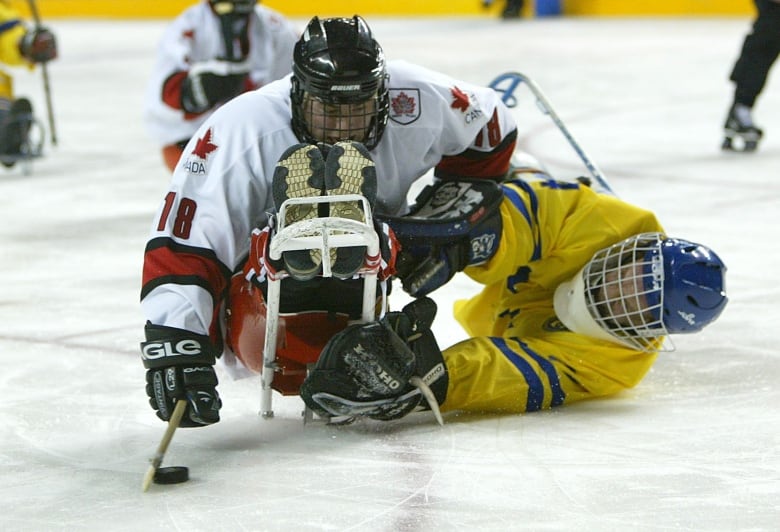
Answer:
[(180, 365), (453, 224), (38, 45), (211, 83), (375, 369)]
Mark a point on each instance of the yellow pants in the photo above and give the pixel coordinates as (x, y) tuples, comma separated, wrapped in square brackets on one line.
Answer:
[(6, 91)]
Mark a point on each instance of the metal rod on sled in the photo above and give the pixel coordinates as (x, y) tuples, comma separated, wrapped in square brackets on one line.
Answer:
[(316, 233), (45, 71)]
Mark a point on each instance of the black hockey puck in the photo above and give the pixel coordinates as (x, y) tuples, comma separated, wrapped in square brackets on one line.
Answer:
[(171, 475)]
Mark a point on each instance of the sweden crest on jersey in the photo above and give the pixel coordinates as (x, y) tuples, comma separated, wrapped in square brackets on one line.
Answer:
[(554, 325)]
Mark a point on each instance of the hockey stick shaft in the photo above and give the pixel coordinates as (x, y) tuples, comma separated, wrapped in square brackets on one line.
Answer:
[(513, 79), (45, 71), (173, 424)]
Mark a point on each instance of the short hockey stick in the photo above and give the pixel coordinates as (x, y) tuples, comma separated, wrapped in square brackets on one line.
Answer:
[(507, 83), (45, 71), (173, 424)]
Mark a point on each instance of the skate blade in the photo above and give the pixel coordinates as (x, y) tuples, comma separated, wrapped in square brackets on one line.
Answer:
[(740, 143)]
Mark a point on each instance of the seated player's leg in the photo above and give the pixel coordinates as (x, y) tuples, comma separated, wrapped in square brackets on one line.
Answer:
[(311, 312), (15, 136), (312, 308), (300, 173), (349, 169), (15, 122)]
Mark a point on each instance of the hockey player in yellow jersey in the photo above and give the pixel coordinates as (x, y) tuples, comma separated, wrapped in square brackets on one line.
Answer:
[(20, 46), (580, 291)]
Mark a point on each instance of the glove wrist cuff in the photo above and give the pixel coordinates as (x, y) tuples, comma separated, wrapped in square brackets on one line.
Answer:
[(168, 346)]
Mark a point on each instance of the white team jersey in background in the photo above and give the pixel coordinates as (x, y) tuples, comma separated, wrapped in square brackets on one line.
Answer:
[(195, 37)]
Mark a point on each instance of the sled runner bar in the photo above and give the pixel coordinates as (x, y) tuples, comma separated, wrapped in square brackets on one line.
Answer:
[(323, 234), (506, 84)]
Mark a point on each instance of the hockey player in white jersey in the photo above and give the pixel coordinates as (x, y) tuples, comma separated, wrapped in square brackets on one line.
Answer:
[(378, 126), (211, 52)]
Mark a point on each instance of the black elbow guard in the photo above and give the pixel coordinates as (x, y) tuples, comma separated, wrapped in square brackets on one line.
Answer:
[(453, 224)]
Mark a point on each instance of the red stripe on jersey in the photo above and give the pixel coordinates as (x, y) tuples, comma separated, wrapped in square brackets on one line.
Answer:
[(171, 89), (473, 163), (165, 265)]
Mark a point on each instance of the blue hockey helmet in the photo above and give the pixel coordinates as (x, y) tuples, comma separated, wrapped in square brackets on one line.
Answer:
[(643, 288), (694, 287)]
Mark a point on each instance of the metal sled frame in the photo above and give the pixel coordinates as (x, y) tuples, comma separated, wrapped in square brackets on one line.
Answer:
[(323, 234), (506, 85), (31, 148)]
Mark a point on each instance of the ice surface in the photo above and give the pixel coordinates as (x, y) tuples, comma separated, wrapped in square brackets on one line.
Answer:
[(693, 447)]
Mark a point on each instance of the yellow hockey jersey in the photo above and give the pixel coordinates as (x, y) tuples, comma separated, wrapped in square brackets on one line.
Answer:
[(12, 28), (520, 357)]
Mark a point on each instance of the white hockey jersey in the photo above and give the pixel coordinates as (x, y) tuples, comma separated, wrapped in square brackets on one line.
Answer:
[(195, 37), (221, 188)]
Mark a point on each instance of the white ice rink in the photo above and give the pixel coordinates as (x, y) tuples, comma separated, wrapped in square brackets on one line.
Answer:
[(693, 447)]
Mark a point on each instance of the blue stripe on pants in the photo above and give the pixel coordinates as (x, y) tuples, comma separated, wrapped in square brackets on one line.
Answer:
[(535, 386), (558, 395)]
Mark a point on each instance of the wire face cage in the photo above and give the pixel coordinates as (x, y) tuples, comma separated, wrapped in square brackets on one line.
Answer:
[(624, 291)]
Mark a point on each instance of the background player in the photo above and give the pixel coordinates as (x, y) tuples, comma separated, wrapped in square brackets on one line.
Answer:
[(758, 54), (211, 52), (20, 45)]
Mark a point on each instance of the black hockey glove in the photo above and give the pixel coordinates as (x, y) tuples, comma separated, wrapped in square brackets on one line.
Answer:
[(38, 45), (370, 369), (180, 366), (212, 83), (453, 224)]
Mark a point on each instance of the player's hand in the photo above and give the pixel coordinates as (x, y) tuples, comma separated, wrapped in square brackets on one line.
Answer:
[(422, 274), (211, 83), (38, 45), (180, 367)]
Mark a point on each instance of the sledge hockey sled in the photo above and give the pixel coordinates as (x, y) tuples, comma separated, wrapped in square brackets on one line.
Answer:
[(324, 234), (31, 147), (507, 84)]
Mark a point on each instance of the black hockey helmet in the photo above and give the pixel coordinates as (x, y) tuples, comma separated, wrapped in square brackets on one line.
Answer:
[(339, 75), (239, 7)]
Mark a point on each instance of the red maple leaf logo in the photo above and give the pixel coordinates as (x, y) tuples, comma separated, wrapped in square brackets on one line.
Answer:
[(460, 100), (204, 146), (188, 34), (403, 105)]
